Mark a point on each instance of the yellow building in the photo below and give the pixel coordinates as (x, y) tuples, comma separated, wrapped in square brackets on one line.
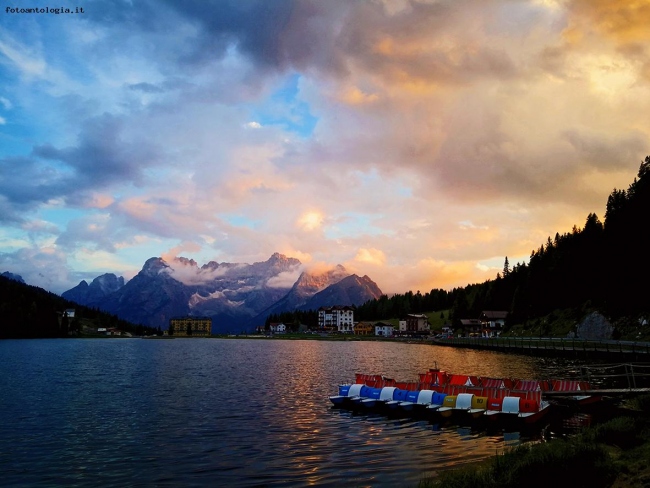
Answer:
[(190, 326), (364, 328)]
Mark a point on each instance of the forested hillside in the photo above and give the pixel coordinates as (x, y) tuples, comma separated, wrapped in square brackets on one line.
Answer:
[(30, 312), (603, 266)]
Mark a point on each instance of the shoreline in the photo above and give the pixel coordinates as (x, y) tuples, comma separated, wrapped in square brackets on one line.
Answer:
[(612, 453)]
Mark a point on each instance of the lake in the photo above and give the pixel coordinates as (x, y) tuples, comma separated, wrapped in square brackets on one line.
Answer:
[(227, 412)]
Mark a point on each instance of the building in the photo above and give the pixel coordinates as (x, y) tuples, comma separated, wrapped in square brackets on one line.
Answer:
[(402, 325), (190, 326), (336, 319), (111, 331), (364, 329), (384, 330), (492, 322), (414, 324), (470, 327), (277, 328)]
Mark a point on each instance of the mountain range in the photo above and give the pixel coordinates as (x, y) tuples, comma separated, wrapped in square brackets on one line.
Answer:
[(237, 296)]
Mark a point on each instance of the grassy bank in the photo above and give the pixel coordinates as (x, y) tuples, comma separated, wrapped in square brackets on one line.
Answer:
[(613, 454)]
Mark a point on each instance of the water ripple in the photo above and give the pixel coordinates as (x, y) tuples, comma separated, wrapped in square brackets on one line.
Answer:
[(88, 413)]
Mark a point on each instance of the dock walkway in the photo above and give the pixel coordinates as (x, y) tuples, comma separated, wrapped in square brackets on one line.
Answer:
[(548, 346)]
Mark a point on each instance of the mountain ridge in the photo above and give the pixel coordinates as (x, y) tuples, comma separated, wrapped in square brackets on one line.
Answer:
[(237, 296)]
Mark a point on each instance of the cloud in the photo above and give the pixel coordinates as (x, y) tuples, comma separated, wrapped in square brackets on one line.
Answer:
[(104, 154), (620, 20), (45, 267), (310, 220), (185, 247), (98, 200), (22, 58), (188, 273), (90, 230), (370, 256), (40, 226), (469, 225), (409, 140), (26, 182), (146, 87), (286, 279)]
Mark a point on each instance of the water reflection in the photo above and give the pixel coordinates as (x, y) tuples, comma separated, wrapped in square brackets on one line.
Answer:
[(206, 412)]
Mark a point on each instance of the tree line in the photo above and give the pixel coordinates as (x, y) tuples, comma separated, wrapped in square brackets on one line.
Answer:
[(603, 266), (293, 319), (31, 312), (400, 305)]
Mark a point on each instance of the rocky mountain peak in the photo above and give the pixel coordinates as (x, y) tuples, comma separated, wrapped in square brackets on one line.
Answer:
[(317, 280), (186, 261), (12, 276), (107, 283), (349, 290), (232, 294), (282, 260), (93, 294), (154, 266)]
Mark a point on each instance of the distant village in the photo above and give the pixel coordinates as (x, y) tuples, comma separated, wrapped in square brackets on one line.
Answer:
[(339, 319)]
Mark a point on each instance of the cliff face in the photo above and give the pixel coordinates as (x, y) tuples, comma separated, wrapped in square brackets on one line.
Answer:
[(151, 298), (351, 290), (307, 285), (92, 295)]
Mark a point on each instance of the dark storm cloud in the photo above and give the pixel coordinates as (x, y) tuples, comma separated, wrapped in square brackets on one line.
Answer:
[(273, 35), (254, 26), (325, 37), (9, 214), (25, 183), (103, 155)]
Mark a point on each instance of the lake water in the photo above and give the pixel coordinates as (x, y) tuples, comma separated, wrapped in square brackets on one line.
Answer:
[(226, 412)]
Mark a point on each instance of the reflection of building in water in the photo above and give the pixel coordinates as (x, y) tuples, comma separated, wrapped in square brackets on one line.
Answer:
[(190, 326)]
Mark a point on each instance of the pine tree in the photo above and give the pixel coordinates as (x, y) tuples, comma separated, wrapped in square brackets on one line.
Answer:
[(506, 268)]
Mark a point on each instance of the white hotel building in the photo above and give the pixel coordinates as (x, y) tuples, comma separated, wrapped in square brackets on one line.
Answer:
[(337, 318)]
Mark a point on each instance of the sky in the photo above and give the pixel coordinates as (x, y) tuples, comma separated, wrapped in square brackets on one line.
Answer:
[(419, 142)]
